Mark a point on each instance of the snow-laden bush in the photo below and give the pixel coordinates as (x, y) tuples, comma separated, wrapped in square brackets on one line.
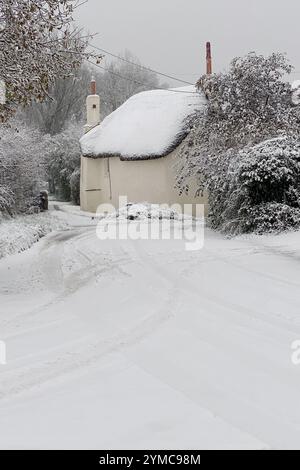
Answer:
[(145, 211), (75, 186), (28, 158), (271, 217), (6, 201), (259, 180), (270, 171), (63, 159)]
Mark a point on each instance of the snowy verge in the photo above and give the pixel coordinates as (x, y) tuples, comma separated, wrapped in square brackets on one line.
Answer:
[(70, 209), (282, 243), (20, 233)]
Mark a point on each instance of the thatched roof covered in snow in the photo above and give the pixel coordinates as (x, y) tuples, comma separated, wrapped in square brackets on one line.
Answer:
[(149, 125)]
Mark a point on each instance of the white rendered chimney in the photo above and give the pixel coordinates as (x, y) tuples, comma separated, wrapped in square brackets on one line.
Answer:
[(92, 108)]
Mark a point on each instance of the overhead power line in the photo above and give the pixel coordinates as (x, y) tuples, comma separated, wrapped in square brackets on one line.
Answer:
[(140, 83), (139, 65)]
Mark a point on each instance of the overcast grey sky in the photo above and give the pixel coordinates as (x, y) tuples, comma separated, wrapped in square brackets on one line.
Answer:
[(170, 35)]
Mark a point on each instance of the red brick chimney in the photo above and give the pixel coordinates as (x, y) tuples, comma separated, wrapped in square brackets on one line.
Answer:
[(208, 59), (93, 87)]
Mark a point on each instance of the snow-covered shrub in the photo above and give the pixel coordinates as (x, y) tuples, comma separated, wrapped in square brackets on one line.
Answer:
[(257, 180), (28, 158), (75, 186), (6, 201), (270, 171), (144, 211), (63, 159), (270, 217)]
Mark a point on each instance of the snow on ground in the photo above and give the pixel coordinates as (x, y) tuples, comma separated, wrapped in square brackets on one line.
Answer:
[(161, 113), (21, 232), (71, 215), (141, 344)]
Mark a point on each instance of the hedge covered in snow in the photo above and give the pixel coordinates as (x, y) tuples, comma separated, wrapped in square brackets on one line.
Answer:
[(260, 190), (21, 232)]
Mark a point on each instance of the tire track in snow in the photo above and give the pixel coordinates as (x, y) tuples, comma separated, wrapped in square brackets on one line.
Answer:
[(49, 261), (225, 399), (27, 378), (23, 379)]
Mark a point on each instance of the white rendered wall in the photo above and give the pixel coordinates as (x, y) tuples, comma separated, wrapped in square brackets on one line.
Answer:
[(141, 181)]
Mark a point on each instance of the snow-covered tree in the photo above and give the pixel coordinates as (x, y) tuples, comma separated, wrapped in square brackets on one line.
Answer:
[(75, 186), (6, 200), (22, 171), (29, 159), (66, 104), (248, 105), (38, 43), (63, 163), (68, 96)]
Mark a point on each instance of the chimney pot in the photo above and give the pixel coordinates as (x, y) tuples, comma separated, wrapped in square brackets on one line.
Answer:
[(208, 59), (93, 87)]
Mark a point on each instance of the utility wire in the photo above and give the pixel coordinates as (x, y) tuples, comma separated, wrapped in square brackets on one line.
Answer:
[(141, 66), (141, 83), (148, 68)]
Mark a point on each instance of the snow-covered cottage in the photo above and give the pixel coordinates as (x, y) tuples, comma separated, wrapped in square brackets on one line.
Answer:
[(133, 151)]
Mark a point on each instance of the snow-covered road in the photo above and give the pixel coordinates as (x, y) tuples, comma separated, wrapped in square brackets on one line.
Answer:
[(141, 344)]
